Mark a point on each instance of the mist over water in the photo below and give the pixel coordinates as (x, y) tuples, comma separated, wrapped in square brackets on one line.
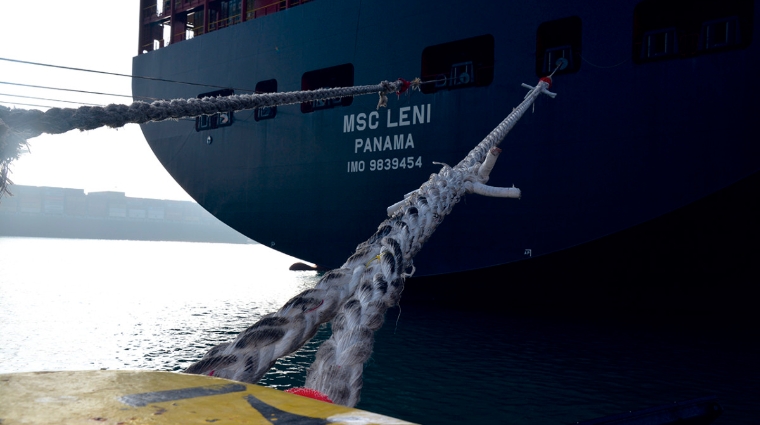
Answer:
[(69, 304)]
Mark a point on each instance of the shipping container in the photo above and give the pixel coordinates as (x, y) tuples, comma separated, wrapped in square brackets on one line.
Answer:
[(30, 204), (97, 206), (21, 190), (174, 210), (156, 212), (137, 213), (76, 205), (52, 206), (116, 209), (9, 204)]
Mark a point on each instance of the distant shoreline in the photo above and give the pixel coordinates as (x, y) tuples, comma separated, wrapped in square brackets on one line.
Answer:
[(56, 212), (62, 226)]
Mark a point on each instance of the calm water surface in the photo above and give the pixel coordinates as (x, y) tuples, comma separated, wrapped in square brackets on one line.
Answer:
[(90, 304)]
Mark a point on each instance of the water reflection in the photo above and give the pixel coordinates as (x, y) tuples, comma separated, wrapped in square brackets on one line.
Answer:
[(84, 304), (79, 304)]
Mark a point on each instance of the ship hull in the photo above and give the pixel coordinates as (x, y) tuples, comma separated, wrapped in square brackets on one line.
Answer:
[(623, 143)]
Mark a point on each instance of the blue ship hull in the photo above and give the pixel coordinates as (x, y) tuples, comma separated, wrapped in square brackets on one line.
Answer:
[(641, 126)]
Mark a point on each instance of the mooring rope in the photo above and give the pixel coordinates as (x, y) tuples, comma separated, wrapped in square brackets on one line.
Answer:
[(61, 120), (18, 125), (356, 296)]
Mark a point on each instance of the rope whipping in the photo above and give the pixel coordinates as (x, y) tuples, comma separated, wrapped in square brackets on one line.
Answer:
[(356, 296), (18, 125)]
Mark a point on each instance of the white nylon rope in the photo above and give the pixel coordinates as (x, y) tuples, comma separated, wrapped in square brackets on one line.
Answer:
[(356, 296)]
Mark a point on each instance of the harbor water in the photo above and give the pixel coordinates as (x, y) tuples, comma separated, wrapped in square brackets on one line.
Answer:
[(68, 304)]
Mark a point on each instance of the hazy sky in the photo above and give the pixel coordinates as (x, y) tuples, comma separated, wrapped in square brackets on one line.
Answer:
[(91, 34)]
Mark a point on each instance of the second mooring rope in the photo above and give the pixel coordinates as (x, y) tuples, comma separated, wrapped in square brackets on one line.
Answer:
[(32, 122), (18, 125)]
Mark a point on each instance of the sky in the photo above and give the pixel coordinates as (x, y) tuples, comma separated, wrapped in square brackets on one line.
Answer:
[(90, 34)]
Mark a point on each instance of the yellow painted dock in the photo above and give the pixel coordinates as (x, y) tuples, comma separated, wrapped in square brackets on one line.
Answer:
[(147, 397)]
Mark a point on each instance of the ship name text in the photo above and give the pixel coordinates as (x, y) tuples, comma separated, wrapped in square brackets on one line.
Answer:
[(378, 144), (394, 119), (407, 115), (385, 164)]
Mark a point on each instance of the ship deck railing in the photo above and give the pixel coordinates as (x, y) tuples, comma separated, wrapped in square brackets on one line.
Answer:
[(152, 16)]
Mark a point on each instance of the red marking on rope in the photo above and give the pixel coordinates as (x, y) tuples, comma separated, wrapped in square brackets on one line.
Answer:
[(547, 80), (404, 86), (320, 305), (308, 392)]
